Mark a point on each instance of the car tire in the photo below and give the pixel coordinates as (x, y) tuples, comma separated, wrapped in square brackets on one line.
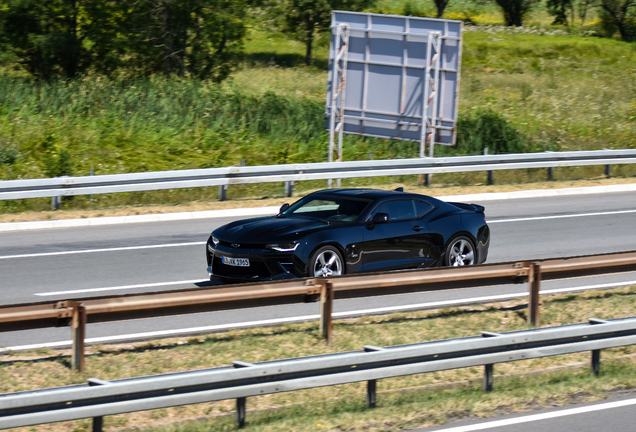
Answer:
[(325, 262), (460, 252)]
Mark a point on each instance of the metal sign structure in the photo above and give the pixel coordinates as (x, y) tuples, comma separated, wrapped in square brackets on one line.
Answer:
[(393, 77)]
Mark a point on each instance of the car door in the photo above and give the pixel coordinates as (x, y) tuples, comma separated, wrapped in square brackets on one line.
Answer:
[(400, 243)]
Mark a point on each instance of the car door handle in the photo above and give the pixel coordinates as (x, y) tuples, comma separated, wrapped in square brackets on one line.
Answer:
[(417, 228)]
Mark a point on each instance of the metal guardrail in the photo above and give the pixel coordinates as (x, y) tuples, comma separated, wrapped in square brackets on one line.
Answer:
[(78, 312), (223, 177), (100, 398)]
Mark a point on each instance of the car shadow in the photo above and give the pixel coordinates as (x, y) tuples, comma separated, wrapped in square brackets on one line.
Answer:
[(212, 282)]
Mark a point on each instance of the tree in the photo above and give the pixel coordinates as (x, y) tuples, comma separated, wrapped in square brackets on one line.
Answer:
[(514, 11), (583, 7), (441, 6), (48, 37), (304, 18), (620, 13), (559, 9), (200, 38)]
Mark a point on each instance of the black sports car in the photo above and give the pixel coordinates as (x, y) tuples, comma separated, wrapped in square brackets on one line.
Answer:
[(345, 231)]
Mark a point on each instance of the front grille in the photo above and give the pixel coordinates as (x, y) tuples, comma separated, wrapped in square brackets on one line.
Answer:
[(257, 269), (242, 245)]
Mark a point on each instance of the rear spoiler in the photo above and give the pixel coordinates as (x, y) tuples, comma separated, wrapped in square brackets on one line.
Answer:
[(471, 207)]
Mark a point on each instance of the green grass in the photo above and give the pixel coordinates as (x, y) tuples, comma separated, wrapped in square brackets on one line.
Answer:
[(333, 406), (558, 91)]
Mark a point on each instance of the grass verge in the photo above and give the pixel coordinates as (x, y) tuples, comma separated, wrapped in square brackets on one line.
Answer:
[(342, 407)]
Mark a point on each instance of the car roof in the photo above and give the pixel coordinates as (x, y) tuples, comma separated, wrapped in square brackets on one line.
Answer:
[(373, 194)]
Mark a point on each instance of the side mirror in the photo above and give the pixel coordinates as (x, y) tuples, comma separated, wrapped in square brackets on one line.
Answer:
[(283, 208), (379, 218)]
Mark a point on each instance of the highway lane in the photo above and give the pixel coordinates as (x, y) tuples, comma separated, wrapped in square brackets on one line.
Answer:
[(140, 255), (614, 414)]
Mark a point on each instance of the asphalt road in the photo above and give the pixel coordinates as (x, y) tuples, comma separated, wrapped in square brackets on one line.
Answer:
[(615, 414), (65, 263)]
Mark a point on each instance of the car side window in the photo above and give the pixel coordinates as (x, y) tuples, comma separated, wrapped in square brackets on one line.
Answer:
[(397, 210), (422, 207)]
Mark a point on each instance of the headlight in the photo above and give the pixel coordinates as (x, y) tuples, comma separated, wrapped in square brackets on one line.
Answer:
[(215, 241), (282, 247)]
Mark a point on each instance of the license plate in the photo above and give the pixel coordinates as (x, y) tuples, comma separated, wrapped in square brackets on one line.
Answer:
[(237, 262)]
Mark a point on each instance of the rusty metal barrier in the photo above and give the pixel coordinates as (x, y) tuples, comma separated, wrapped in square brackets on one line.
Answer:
[(79, 312)]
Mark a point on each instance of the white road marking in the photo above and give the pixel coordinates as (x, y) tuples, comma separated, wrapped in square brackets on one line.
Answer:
[(542, 416), (202, 242), (278, 321), (103, 250), (122, 287), (561, 216)]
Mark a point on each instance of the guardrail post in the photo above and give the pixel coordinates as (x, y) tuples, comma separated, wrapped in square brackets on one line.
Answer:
[(79, 333), (98, 422), (550, 174), (92, 173), (55, 202), (607, 170), (372, 384), (222, 192), (489, 369), (241, 401), (424, 179), (371, 393), (488, 377), (534, 284), (289, 188), (489, 175), (595, 365), (326, 309), (240, 412)]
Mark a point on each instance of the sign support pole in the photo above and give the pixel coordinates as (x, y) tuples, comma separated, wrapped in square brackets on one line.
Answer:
[(339, 71)]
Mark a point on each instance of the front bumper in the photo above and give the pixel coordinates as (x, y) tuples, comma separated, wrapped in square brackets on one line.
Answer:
[(264, 264)]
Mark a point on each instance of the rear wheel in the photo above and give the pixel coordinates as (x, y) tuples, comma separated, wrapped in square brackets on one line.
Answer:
[(325, 262), (460, 252)]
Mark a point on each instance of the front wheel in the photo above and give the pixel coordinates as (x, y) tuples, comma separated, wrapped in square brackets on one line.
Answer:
[(460, 252), (325, 262)]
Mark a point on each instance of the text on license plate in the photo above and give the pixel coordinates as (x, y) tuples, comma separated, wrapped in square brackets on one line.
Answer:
[(239, 262)]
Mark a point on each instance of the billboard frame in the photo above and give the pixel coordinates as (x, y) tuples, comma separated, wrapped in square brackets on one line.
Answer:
[(425, 109)]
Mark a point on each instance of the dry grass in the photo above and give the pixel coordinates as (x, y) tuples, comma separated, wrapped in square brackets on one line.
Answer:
[(339, 405)]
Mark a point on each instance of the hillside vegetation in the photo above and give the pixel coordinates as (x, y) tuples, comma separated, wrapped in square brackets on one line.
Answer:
[(519, 92)]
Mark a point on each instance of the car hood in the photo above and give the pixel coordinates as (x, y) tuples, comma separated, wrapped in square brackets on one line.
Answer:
[(268, 229)]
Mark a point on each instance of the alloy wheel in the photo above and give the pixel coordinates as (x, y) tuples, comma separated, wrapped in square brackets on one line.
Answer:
[(327, 263), (461, 253)]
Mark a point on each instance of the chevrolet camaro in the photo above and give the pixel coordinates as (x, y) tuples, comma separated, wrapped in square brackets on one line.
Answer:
[(346, 231)]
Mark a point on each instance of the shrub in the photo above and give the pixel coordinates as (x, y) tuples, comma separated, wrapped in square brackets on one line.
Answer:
[(485, 128), (8, 153), (57, 163)]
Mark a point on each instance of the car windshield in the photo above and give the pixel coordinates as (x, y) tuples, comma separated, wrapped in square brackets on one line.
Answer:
[(328, 208)]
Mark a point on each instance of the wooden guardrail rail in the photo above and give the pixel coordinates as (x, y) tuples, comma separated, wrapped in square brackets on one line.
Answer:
[(78, 312)]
